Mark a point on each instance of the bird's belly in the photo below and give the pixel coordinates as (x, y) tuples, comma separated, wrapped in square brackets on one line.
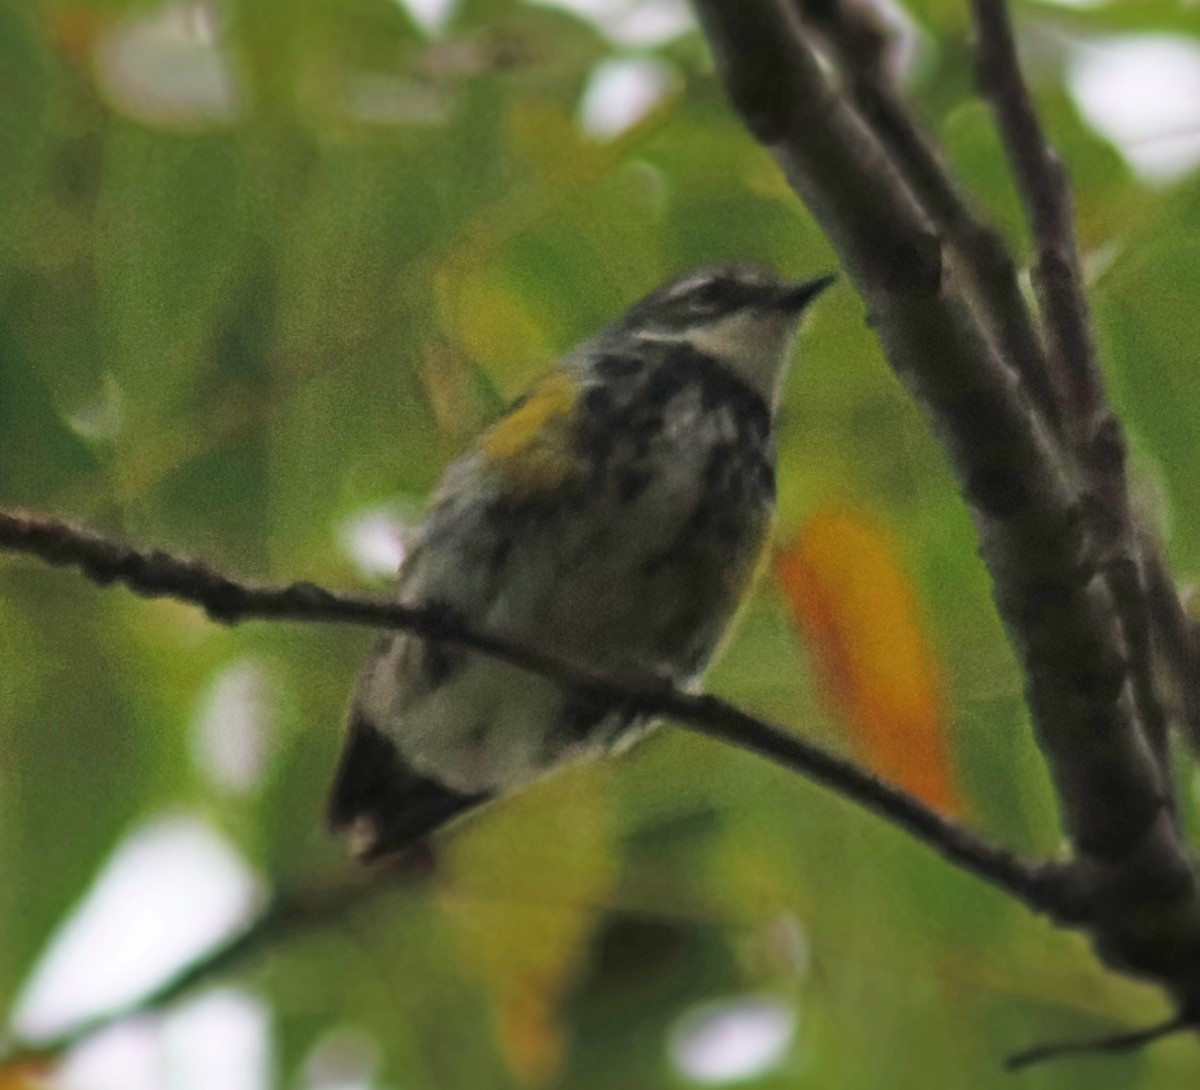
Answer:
[(645, 594)]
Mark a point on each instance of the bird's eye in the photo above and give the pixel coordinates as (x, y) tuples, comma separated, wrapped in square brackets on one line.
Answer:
[(703, 301)]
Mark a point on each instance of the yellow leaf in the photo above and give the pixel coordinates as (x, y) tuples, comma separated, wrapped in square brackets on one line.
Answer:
[(494, 325), (524, 925)]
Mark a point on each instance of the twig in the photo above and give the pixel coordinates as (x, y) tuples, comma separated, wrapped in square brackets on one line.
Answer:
[(1120, 1042), (1046, 888)]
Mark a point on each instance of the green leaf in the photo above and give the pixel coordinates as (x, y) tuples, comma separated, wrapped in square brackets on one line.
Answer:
[(173, 228), (24, 95)]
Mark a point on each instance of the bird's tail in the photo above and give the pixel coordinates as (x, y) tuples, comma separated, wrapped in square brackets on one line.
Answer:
[(380, 802)]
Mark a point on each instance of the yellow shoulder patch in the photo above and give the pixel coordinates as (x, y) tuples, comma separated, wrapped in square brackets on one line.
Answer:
[(531, 446)]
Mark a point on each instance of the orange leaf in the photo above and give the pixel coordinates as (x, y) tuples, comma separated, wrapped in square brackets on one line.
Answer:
[(26, 1074), (856, 610)]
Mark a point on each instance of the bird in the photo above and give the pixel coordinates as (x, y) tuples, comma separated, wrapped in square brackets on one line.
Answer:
[(614, 517)]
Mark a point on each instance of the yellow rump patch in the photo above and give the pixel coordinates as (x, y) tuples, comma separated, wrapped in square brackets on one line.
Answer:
[(531, 446)]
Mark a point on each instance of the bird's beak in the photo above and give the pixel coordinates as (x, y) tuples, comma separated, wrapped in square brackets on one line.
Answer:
[(795, 297)]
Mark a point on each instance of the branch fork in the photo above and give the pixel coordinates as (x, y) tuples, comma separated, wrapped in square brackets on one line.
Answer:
[(1017, 398)]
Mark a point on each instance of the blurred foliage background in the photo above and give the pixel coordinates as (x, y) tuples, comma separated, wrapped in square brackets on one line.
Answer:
[(265, 268)]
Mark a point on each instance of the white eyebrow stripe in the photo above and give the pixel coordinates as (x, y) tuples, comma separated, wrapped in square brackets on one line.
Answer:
[(688, 286)]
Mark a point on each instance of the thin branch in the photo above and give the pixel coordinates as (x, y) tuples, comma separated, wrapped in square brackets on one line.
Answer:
[(1046, 888), (1099, 443), (1120, 1042), (858, 40), (1045, 192), (289, 914), (1177, 637), (288, 917)]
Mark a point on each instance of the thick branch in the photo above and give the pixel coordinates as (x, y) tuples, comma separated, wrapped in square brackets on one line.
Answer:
[(152, 573), (1022, 490)]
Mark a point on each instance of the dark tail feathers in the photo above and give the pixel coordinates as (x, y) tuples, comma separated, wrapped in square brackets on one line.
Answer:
[(382, 800)]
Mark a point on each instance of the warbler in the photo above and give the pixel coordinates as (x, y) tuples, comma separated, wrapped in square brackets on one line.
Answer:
[(613, 516)]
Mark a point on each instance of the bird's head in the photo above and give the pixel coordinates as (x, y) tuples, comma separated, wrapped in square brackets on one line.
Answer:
[(741, 315)]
